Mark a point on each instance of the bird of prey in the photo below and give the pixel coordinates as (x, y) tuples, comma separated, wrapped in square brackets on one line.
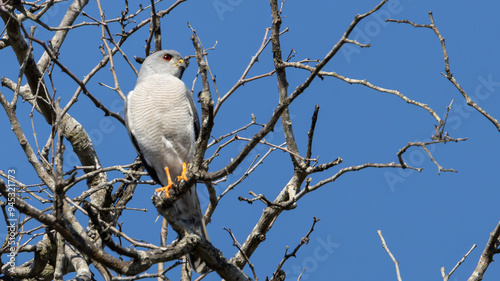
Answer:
[(163, 124)]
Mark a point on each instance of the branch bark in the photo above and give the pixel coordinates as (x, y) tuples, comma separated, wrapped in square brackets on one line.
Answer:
[(487, 256)]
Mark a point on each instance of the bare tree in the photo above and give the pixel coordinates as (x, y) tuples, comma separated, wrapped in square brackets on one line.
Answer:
[(65, 234)]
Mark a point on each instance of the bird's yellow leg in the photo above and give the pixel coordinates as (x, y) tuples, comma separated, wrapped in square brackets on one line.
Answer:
[(184, 171), (169, 185)]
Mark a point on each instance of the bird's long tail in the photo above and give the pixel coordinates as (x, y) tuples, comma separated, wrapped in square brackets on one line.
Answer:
[(188, 208)]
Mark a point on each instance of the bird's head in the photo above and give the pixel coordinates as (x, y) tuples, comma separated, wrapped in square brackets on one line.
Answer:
[(164, 61)]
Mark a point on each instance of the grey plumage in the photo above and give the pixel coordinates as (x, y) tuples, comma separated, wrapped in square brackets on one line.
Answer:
[(163, 124)]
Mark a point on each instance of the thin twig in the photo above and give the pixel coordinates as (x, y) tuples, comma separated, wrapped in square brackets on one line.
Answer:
[(396, 263), (96, 102), (424, 147), (310, 134), (447, 276), (303, 240), (280, 147), (367, 84), (251, 168), (447, 70), (238, 245)]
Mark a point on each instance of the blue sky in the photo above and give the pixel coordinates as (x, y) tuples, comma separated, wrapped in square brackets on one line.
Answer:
[(428, 220)]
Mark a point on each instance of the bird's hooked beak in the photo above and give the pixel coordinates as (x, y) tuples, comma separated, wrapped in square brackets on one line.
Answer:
[(180, 63), (183, 62)]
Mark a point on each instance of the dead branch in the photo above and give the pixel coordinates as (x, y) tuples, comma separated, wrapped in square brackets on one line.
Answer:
[(445, 276), (304, 240), (487, 256), (396, 263), (448, 74)]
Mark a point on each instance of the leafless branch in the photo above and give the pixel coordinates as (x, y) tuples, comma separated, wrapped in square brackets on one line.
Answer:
[(238, 246), (396, 263), (366, 83), (207, 116), (310, 135), (447, 71), (487, 256), (214, 201), (219, 139), (445, 276), (251, 168), (104, 30), (96, 102), (290, 191), (424, 147), (205, 60), (283, 86), (350, 169), (242, 80), (28, 150), (149, 275), (303, 240), (203, 249), (280, 147)]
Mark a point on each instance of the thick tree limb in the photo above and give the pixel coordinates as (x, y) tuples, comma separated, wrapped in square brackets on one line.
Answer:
[(43, 251), (283, 86), (487, 256)]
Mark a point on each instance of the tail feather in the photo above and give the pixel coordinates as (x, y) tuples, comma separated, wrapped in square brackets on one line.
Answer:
[(189, 210)]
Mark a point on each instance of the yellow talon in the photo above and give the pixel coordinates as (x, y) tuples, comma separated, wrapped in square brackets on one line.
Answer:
[(169, 186), (183, 175)]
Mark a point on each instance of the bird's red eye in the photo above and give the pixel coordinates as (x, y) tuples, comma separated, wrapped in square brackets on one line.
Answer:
[(167, 57)]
